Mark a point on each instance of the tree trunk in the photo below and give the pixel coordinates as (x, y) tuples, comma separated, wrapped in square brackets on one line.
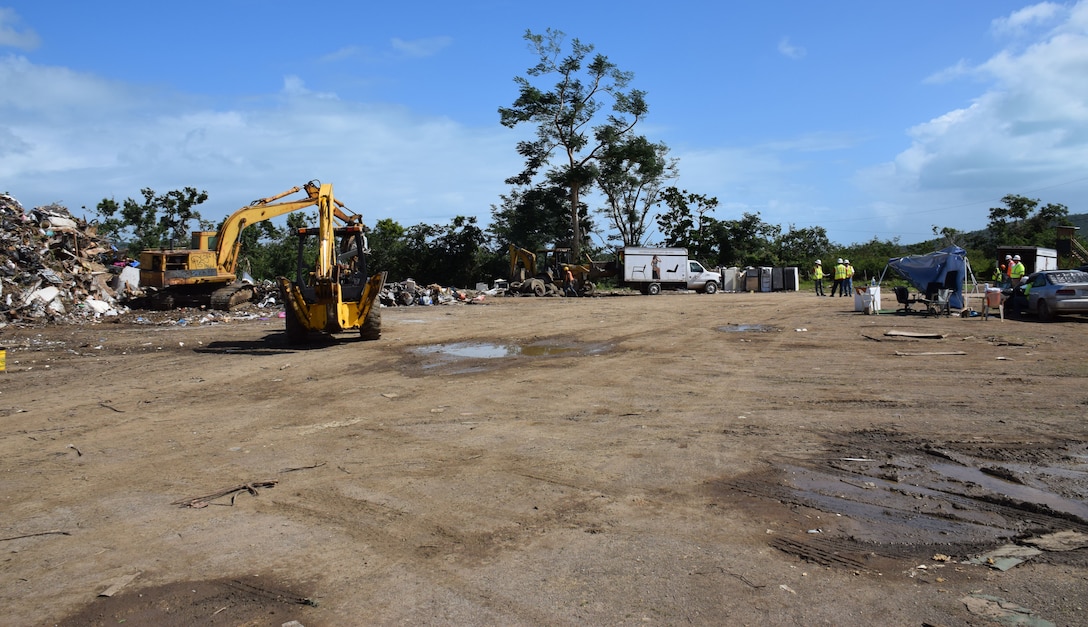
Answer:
[(575, 223)]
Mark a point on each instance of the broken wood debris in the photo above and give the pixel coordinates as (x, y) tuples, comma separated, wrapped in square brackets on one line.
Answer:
[(204, 501), (118, 583), (928, 354), (294, 468), (55, 532)]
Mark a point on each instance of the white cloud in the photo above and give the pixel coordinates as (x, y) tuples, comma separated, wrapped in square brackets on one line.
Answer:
[(1028, 132), (103, 140), (1020, 21), (11, 36), (420, 47), (787, 49)]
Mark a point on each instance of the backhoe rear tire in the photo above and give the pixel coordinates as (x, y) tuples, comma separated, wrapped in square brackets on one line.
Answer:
[(371, 328)]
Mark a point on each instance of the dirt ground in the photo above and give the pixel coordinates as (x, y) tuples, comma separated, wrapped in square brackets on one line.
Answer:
[(743, 459)]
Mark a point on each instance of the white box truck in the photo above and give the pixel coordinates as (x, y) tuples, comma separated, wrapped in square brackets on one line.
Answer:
[(651, 270)]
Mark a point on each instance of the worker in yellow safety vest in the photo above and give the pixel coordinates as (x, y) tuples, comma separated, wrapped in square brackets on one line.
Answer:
[(839, 282), (1016, 272), (818, 278)]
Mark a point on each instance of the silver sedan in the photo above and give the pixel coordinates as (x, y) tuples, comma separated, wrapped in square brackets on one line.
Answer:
[(1053, 292)]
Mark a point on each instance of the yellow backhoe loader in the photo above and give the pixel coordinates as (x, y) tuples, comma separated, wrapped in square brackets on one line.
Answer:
[(207, 273), (334, 292)]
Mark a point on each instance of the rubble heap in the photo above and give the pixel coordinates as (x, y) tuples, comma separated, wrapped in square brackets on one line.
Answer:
[(53, 267)]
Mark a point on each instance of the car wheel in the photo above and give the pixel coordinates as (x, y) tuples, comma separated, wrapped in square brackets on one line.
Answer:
[(653, 289), (711, 287), (1042, 310)]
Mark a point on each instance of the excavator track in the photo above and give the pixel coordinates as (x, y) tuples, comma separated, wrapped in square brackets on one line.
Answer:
[(226, 298)]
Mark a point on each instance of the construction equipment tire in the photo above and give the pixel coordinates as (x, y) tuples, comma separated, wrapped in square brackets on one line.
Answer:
[(371, 329)]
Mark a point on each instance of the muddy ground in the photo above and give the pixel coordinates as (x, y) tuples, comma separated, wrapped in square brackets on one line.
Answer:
[(743, 459)]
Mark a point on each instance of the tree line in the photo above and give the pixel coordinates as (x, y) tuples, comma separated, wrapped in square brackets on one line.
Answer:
[(585, 116)]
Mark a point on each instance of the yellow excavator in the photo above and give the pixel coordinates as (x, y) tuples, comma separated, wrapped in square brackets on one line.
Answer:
[(541, 273), (334, 292), (206, 274)]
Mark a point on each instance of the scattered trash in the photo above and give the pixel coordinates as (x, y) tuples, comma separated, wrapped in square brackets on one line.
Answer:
[(54, 267), (118, 583), (1005, 557), (1003, 611)]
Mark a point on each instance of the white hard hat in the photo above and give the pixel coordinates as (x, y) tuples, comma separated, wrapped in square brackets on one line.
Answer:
[(1016, 258), (1008, 257), (846, 261), (839, 260), (818, 262)]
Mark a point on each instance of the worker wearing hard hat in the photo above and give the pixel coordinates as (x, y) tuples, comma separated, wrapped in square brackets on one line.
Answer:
[(818, 278), (839, 278), (849, 276), (1016, 273)]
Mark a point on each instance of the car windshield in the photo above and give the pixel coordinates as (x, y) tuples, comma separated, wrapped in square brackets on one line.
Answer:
[(1067, 276)]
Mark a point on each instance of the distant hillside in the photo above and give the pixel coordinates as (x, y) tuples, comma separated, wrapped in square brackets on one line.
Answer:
[(1081, 220), (1078, 220)]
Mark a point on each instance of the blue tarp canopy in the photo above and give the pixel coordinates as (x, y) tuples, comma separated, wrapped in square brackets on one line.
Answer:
[(923, 271)]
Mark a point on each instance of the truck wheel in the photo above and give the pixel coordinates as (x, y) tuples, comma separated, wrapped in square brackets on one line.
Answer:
[(653, 289), (711, 287), (371, 329)]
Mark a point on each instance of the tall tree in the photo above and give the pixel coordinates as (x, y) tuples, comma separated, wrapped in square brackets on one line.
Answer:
[(686, 223), (565, 116), (1017, 223), (532, 218), (631, 175), (802, 247), (159, 222)]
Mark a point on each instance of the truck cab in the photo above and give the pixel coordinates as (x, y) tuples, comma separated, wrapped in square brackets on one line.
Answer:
[(702, 280)]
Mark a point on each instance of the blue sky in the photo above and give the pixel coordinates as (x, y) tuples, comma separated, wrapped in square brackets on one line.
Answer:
[(871, 119)]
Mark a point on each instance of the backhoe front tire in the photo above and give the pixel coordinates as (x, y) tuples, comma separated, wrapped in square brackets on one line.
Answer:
[(371, 328)]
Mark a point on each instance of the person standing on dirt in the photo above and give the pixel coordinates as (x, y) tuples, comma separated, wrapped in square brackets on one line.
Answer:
[(838, 281), (1005, 269), (818, 277), (568, 282), (849, 276), (1016, 272)]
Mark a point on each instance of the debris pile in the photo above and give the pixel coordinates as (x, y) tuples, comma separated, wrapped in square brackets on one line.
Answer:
[(54, 267), (408, 292)]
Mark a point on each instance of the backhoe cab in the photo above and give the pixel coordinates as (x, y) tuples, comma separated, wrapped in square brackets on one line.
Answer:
[(333, 291)]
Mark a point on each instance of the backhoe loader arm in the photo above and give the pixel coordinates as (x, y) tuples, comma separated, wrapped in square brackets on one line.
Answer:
[(229, 241)]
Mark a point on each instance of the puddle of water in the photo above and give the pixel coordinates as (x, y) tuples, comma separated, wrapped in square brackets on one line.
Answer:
[(1015, 491), (471, 350), (748, 328), (447, 354)]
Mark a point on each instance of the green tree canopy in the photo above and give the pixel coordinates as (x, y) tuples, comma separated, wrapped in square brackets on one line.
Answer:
[(161, 221), (631, 175), (568, 117)]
